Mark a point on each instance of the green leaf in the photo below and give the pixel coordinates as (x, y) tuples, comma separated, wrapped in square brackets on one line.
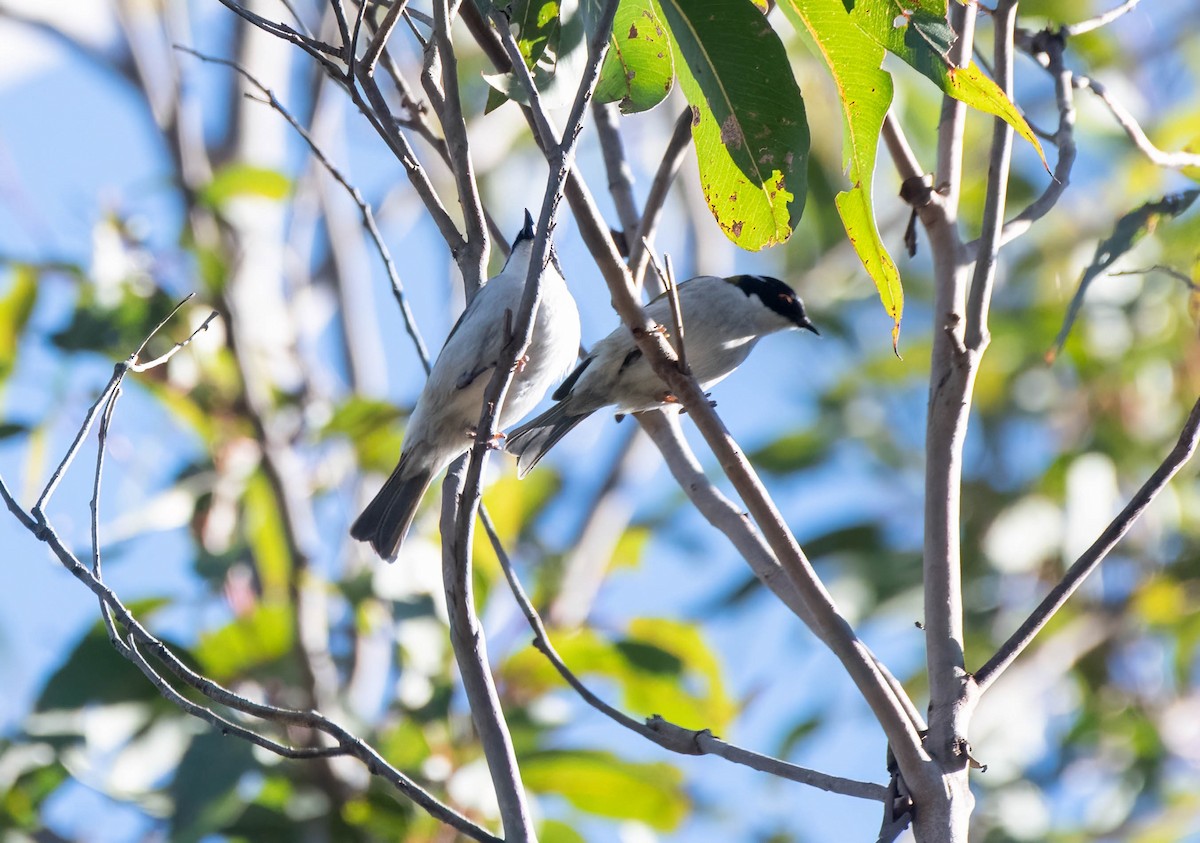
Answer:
[(240, 180), (791, 452), (267, 537), (1127, 232), (555, 831), (607, 786), (550, 35), (254, 640), (865, 92), (639, 70), (372, 426), (15, 309), (922, 38), (749, 126), (661, 666), (204, 789), (95, 673)]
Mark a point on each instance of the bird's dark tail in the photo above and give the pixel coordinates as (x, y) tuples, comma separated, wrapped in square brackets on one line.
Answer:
[(385, 521), (532, 440)]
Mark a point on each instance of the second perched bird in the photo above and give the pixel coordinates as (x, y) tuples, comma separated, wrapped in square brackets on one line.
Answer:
[(442, 423), (723, 319)]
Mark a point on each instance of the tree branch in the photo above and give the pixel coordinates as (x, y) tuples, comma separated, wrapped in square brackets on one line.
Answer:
[(658, 730), (1184, 448)]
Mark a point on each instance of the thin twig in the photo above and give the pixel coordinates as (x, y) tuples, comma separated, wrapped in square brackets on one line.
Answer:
[(459, 510), (667, 277), (472, 262), (1165, 270), (101, 444), (364, 209), (616, 165), (1184, 448), (308, 719), (663, 732), (664, 177), (382, 34), (1105, 19), (1133, 129)]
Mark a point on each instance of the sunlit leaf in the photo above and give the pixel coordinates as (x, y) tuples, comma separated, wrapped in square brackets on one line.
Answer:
[(749, 126), (267, 537), (241, 180), (603, 784), (554, 831), (259, 638), (865, 92), (372, 426), (15, 308), (1128, 231), (922, 38), (638, 70), (550, 34)]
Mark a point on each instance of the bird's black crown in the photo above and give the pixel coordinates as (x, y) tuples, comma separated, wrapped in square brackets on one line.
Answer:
[(777, 296)]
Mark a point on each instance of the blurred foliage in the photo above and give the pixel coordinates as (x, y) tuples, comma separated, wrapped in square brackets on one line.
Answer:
[(1109, 696)]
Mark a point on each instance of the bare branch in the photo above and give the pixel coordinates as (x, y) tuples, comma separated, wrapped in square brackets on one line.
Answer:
[(1047, 49), (656, 199), (1094, 555), (663, 732), (472, 261), (368, 215), (382, 34), (1100, 20), (308, 719), (1133, 129), (1165, 270), (999, 164), (620, 174), (461, 504), (903, 157)]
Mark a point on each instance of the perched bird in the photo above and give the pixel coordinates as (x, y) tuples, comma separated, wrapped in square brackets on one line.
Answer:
[(723, 318), (443, 422)]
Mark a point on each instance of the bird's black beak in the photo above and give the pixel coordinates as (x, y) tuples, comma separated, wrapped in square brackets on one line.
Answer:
[(809, 326), (526, 233)]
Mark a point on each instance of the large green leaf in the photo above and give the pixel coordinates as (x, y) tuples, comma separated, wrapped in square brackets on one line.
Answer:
[(257, 639), (865, 91), (267, 537), (638, 71), (921, 36), (749, 125), (603, 784)]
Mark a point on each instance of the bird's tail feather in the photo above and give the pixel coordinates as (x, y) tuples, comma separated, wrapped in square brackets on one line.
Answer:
[(386, 520), (532, 440)]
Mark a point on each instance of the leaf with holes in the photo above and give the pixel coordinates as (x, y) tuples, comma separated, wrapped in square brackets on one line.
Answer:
[(638, 71), (865, 91), (749, 126)]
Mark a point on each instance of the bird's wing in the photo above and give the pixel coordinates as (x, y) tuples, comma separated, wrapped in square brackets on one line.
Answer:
[(474, 342)]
